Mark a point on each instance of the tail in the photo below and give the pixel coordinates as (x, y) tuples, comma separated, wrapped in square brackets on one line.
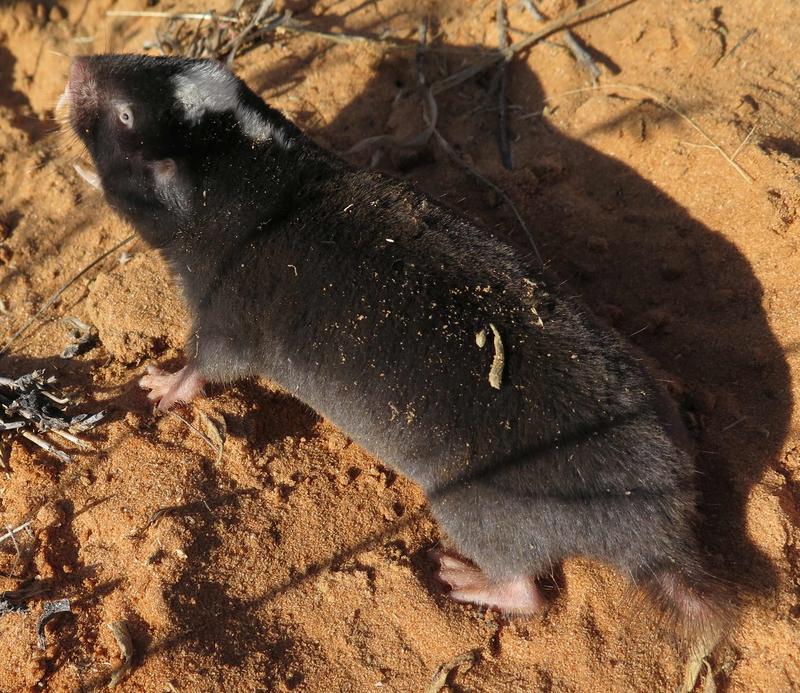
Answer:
[(697, 607)]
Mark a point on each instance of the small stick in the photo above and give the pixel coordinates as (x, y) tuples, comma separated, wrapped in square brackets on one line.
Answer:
[(193, 42), (249, 37), (580, 54), (5, 455), (36, 440), (154, 518), (58, 293), (292, 25), (16, 546), (745, 37), (10, 426), (55, 398), (430, 111), (502, 115), (214, 432), (158, 514), (422, 45), (471, 71), (663, 101), (734, 424), (72, 439), (695, 145), (197, 16), (430, 115), (743, 144), (195, 429), (255, 20), (11, 532)]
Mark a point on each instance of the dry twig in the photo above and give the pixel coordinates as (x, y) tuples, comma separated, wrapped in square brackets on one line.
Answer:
[(11, 532), (581, 55), (27, 403), (480, 66), (193, 16), (447, 147), (502, 88), (217, 449)]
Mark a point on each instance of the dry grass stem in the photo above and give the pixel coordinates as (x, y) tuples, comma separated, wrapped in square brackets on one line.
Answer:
[(476, 68), (192, 16), (22, 330), (581, 55), (503, 139), (664, 101), (196, 430)]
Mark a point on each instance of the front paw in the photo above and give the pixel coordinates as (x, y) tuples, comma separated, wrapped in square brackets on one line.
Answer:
[(168, 388)]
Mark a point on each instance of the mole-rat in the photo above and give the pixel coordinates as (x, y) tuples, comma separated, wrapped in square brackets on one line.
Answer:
[(535, 432)]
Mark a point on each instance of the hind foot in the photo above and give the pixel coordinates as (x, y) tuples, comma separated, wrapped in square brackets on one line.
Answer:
[(168, 388), (517, 595)]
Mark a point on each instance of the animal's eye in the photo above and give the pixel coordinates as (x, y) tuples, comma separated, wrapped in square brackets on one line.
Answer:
[(125, 115)]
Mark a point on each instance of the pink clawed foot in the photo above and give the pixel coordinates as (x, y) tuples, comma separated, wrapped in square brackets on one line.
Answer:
[(168, 388), (518, 596)]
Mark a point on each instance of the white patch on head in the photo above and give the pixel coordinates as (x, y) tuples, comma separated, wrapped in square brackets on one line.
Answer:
[(210, 87)]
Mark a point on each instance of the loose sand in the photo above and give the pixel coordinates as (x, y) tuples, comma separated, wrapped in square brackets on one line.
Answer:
[(298, 562)]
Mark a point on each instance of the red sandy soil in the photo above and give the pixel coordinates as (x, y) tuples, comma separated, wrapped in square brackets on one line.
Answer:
[(297, 562)]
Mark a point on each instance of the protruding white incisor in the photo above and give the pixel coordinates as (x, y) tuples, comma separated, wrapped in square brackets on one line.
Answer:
[(88, 176), (516, 596), (64, 99), (169, 388)]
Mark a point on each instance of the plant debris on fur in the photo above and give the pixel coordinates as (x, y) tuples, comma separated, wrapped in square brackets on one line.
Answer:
[(28, 404)]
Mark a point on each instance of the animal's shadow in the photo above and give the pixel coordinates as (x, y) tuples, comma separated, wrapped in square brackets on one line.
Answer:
[(24, 118), (679, 290)]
